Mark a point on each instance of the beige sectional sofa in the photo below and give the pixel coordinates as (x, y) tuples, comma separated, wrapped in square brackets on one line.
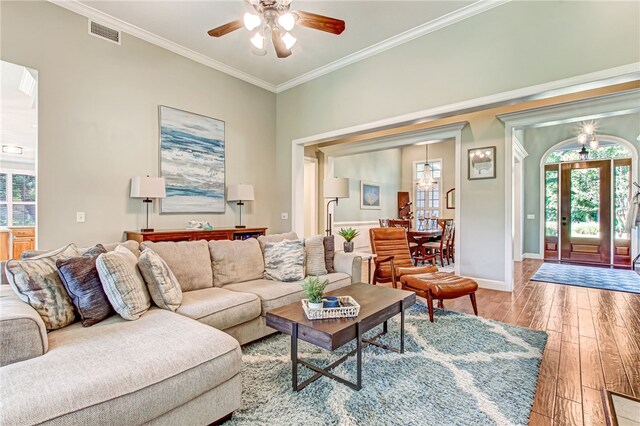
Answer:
[(164, 368)]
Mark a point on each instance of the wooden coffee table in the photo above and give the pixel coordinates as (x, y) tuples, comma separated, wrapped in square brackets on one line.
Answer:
[(377, 305)]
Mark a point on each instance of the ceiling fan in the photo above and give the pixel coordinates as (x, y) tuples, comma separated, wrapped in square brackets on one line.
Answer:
[(275, 19)]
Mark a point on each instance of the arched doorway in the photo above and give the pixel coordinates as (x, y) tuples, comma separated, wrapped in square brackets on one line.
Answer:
[(586, 201)]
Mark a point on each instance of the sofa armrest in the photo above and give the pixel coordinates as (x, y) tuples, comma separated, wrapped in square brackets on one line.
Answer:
[(22, 331), (349, 263)]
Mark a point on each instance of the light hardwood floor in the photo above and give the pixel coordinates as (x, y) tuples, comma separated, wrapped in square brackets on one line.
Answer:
[(594, 342)]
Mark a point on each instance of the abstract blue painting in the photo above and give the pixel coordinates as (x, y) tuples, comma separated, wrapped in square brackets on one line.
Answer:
[(369, 196), (191, 162)]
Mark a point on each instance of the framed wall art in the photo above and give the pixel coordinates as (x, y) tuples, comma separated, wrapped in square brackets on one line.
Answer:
[(192, 162), (369, 196), (482, 163)]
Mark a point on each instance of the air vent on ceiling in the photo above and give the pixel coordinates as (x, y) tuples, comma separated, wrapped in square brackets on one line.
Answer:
[(104, 32)]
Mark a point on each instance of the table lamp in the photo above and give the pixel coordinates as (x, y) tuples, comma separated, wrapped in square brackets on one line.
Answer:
[(240, 192), (147, 188), (334, 188)]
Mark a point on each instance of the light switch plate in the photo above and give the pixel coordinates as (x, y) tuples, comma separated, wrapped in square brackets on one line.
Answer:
[(531, 216), (284, 216), (80, 217)]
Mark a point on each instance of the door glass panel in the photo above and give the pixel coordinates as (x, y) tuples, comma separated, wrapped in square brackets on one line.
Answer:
[(551, 203), (585, 203), (621, 201)]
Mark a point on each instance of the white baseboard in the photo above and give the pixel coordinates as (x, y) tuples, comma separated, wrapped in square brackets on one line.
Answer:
[(532, 256), (491, 284)]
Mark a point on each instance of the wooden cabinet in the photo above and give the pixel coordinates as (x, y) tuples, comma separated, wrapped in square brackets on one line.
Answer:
[(22, 239), (5, 244), (196, 234)]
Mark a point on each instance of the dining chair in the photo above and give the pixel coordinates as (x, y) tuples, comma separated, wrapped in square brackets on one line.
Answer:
[(452, 244), (393, 257), (441, 248), (400, 223), (384, 223)]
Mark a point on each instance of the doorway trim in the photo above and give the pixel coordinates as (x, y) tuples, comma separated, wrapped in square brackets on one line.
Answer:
[(634, 175)]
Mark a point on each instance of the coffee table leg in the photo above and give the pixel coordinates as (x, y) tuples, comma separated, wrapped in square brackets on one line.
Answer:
[(294, 355), (401, 327), (359, 356)]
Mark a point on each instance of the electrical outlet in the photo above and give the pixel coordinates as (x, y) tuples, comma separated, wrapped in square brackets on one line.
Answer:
[(531, 216), (284, 216), (80, 217)]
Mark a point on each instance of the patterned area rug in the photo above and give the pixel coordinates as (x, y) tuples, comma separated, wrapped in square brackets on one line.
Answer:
[(589, 276), (460, 370)]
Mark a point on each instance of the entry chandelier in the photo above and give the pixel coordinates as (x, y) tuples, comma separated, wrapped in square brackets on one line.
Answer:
[(426, 182), (586, 136)]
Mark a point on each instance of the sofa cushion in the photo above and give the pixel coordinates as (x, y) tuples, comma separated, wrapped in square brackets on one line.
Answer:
[(236, 261), (314, 254), (36, 281), (219, 307), (284, 261), (81, 280), (189, 261), (163, 286), (274, 294), (123, 371), (124, 286), (276, 238)]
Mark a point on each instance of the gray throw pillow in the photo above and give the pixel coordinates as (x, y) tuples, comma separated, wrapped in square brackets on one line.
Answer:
[(276, 238), (123, 284), (329, 253), (284, 261), (162, 284), (36, 281), (314, 252), (80, 277)]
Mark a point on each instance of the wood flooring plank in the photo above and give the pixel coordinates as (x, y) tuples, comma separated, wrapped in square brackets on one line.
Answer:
[(540, 420), (569, 372), (585, 323), (545, 397), (554, 340), (567, 413), (590, 363), (615, 376), (592, 406), (630, 356)]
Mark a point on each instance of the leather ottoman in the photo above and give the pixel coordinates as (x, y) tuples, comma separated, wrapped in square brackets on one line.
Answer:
[(440, 285)]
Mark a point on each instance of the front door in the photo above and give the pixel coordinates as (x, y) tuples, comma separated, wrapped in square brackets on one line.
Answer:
[(585, 216)]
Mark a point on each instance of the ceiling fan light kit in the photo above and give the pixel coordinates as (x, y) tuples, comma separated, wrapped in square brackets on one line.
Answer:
[(274, 17)]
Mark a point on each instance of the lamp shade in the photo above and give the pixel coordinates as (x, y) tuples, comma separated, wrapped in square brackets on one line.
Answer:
[(147, 187), (240, 192), (336, 187)]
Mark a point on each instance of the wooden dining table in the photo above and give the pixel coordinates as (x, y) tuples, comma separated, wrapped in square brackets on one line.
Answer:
[(420, 237)]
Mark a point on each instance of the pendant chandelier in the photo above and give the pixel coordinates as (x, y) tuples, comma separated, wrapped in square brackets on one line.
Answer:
[(586, 136), (426, 182)]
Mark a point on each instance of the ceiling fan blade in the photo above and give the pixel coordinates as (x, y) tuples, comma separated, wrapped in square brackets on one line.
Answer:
[(319, 22), (278, 44), (226, 28)]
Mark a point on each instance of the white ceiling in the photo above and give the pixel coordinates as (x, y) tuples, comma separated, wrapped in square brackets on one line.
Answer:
[(371, 26)]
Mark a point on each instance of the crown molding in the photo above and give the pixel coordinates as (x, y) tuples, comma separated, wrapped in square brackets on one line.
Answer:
[(103, 18), (405, 37), (429, 27)]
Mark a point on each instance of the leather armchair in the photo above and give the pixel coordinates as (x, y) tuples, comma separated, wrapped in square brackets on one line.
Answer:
[(394, 257)]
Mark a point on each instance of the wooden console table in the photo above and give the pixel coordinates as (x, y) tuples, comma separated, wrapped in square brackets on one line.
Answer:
[(196, 234)]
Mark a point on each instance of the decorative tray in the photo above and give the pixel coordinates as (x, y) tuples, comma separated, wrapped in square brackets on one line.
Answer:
[(348, 308)]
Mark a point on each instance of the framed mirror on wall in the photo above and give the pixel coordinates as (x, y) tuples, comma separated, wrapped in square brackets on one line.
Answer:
[(451, 199)]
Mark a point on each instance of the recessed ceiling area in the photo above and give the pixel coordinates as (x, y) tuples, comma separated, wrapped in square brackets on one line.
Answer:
[(185, 23)]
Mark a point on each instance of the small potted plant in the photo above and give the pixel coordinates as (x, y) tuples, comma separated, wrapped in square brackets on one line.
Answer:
[(348, 234), (313, 288)]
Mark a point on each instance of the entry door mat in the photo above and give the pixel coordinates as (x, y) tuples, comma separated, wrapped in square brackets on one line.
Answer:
[(589, 276), (459, 370)]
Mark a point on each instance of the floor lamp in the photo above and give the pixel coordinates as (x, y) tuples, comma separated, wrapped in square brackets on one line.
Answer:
[(334, 188)]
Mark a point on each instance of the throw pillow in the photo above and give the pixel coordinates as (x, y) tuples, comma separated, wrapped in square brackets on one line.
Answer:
[(162, 284), (314, 251), (329, 253), (36, 281), (276, 238), (189, 261), (123, 283), (236, 261), (284, 261), (81, 280)]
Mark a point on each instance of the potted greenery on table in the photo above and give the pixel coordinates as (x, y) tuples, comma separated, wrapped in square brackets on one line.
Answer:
[(313, 288), (348, 234)]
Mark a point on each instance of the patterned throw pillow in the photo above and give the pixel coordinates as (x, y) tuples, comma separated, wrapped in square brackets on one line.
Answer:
[(276, 238), (329, 253), (123, 283), (314, 251), (81, 280), (37, 282), (162, 284), (284, 261)]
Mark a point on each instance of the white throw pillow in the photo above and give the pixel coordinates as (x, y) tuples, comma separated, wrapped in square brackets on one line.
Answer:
[(314, 251), (123, 284), (162, 284), (284, 261)]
